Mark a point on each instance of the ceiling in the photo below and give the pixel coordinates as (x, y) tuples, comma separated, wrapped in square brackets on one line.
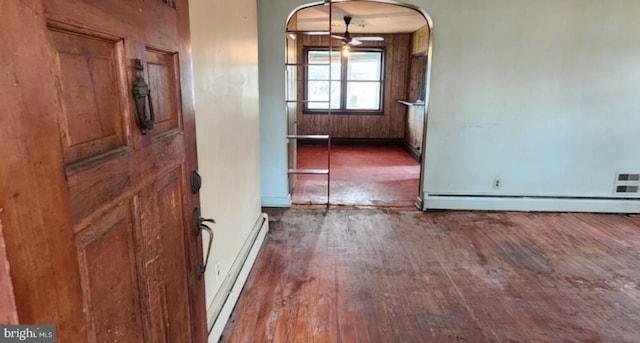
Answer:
[(368, 17)]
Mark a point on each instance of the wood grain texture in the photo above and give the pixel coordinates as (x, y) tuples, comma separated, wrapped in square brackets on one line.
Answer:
[(79, 203), (389, 125), (414, 131), (132, 176), (163, 264), (91, 87), (8, 312), (372, 275), (415, 123), (162, 73), (417, 78), (420, 41), (33, 191), (107, 267)]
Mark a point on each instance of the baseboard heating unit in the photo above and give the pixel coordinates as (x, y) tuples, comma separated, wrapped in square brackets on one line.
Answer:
[(529, 204), (219, 310)]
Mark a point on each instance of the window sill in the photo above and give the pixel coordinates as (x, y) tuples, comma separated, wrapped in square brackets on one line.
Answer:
[(343, 113)]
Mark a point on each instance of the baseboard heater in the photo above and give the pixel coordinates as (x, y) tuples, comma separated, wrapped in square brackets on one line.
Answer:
[(225, 299), (529, 203)]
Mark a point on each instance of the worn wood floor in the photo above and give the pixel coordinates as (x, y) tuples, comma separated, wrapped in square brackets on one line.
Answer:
[(360, 175), (382, 275)]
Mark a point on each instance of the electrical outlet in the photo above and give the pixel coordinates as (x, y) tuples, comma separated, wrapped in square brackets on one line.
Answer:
[(496, 184)]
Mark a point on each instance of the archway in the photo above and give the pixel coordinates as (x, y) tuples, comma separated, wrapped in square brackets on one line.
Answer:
[(370, 127)]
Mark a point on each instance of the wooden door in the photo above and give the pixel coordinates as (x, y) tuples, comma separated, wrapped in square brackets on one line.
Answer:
[(97, 216)]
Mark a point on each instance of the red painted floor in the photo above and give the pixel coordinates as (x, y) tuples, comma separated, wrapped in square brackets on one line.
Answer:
[(368, 176)]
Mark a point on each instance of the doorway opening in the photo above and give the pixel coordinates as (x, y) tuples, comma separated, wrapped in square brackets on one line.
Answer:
[(357, 76)]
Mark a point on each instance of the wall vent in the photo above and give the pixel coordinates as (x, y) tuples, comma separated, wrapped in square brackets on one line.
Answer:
[(627, 189), (628, 177), (627, 183)]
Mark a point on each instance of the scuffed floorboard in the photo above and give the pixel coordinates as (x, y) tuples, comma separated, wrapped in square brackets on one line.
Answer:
[(379, 275)]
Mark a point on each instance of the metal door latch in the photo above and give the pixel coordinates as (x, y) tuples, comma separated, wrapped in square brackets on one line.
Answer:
[(200, 225)]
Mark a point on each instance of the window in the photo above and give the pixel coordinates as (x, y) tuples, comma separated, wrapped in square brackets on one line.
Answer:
[(355, 80)]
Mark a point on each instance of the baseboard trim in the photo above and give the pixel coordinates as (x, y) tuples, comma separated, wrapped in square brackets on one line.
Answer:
[(276, 201), (354, 142), (415, 153), (219, 311), (530, 204), (419, 203)]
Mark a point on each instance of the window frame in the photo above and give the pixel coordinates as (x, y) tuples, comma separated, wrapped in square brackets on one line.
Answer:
[(344, 69)]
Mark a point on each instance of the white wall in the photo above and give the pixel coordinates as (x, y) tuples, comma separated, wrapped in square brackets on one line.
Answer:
[(273, 118), (225, 62), (540, 94)]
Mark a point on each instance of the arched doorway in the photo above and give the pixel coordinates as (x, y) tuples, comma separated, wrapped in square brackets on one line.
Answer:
[(357, 97)]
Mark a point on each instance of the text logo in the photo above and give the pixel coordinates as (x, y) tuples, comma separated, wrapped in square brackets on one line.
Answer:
[(27, 334)]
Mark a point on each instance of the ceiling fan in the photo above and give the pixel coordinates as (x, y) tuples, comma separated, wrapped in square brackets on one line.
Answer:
[(348, 40)]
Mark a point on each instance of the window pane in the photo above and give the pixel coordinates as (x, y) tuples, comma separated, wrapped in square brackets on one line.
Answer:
[(320, 71), (319, 91), (363, 95), (361, 90), (364, 66)]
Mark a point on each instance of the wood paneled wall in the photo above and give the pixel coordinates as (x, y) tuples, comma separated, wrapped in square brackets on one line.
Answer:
[(420, 41), (389, 125), (415, 127), (417, 82)]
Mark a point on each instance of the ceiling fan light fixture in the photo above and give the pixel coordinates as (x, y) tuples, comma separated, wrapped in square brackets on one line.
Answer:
[(346, 38), (346, 50)]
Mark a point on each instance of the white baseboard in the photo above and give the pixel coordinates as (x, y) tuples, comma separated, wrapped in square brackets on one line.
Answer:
[(276, 201), (419, 203), (220, 309), (530, 204)]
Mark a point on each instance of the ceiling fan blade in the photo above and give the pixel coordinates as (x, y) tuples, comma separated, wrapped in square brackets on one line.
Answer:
[(339, 37), (369, 39), (355, 42), (313, 33)]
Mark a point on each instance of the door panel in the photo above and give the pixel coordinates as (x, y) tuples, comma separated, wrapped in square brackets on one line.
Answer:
[(108, 273), (100, 185), (91, 86), (162, 73), (163, 261), (115, 223)]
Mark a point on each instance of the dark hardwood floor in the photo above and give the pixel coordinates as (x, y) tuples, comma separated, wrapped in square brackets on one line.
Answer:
[(383, 275)]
